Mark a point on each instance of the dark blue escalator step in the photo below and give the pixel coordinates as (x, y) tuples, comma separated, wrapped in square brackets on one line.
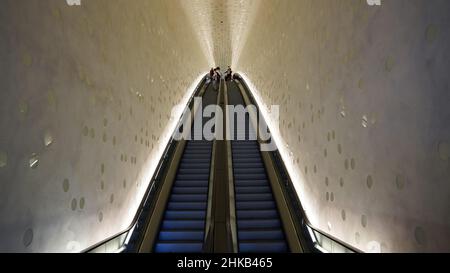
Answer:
[(185, 214), (183, 224), (193, 171), (245, 144), (249, 171), (241, 143), (186, 206), (188, 198), (275, 234), (197, 153), (181, 235), (259, 223), (248, 165), (198, 142), (263, 247), (179, 247), (246, 150), (193, 176), (190, 165), (199, 145), (259, 189), (242, 149), (197, 150), (255, 160), (191, 183), (255, 205), (250, 176), (246, 155), (191, 155), (254, 197), (251, 183), (190, 190), (195, 160), (257, 214)]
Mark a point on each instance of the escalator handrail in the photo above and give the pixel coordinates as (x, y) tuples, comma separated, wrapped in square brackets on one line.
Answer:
[(301, 220), (162, 164)]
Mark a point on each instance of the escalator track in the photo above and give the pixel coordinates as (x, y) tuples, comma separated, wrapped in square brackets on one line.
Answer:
[(259, 227), (183, 224)]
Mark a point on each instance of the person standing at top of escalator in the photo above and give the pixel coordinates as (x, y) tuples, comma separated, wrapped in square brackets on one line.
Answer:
[(216, 78), (219, 74), (211, 74), (228, 74)]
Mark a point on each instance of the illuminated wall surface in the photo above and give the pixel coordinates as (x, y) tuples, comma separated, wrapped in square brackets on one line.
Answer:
[(86, 94), (88, 90), (365, 111)]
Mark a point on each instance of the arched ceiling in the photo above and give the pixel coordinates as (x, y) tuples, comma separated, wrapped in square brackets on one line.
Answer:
[(221, 27)]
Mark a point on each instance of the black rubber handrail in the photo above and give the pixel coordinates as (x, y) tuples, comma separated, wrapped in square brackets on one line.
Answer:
[(154, 182)]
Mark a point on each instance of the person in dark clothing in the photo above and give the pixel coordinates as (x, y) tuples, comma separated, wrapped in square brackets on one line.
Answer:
[(211, 73), (228, 74), (216, 78)]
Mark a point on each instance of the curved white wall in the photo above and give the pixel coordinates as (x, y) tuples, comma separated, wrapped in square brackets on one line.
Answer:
[(89, 90), (364, 94)]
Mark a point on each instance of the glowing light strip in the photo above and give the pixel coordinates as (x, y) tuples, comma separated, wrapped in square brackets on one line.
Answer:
[(297, 177), (150, 166)]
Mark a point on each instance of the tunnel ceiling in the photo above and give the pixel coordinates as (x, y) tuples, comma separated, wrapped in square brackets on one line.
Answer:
[(221, 27)]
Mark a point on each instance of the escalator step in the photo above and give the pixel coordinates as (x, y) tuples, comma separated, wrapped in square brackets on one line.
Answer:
[(239, 170), (193, 171), (183, 224), (179, 247), (244, 143), (181, 235), (188, 198), (251, 183), (186, 206), (190, 190), (185, 214), (257, 214), (237, 161), (194, 166), (193, 176), (248, 165), (267, 247), (276, 234), (254, 197), (259, 189), (259, 223), (191, 183), (246, 155), (195, 160), (265, 205), (251, 176)]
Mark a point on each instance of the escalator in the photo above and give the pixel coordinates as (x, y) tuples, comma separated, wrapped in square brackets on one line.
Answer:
[(259, 227), (183, 224), (222, 196)]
